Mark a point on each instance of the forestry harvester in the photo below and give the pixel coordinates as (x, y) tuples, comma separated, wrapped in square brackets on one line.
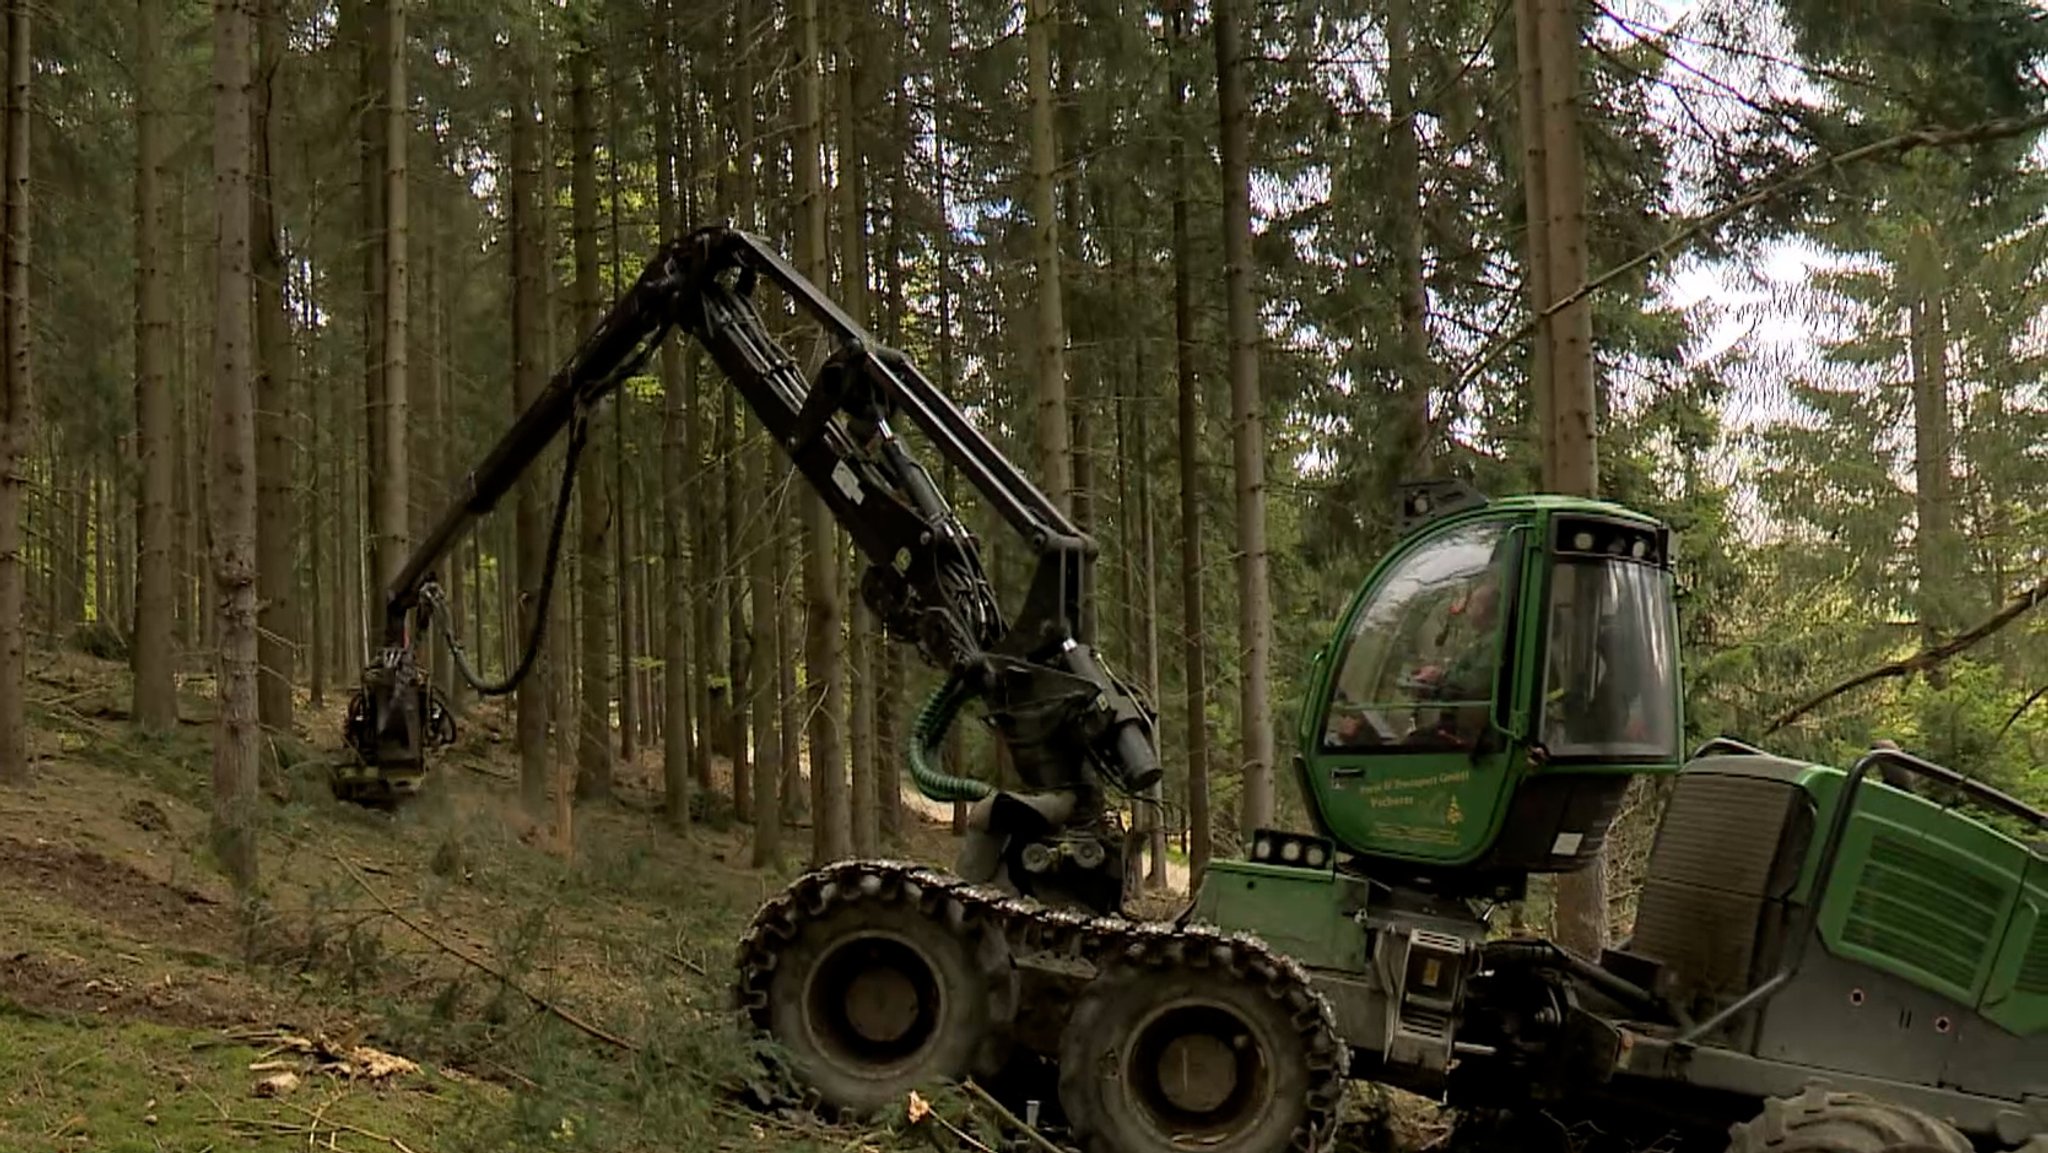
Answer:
[(1822, 960)]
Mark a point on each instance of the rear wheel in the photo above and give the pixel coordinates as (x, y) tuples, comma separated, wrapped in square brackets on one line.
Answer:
[(876, 985), (1202, 1053), (1818, 1121)]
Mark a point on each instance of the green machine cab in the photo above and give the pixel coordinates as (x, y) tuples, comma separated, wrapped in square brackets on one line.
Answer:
[(1494, 684), (1821, 959)]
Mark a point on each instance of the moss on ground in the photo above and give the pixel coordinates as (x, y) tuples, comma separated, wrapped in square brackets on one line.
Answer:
[(129, 1086)]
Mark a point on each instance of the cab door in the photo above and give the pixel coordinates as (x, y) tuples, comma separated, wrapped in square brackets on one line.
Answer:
[(1412, 757)]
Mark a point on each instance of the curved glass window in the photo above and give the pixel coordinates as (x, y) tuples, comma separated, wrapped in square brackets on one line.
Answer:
[(1609, 680), (1422, 657)]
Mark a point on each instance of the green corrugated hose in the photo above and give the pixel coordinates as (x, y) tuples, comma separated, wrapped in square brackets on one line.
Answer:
[(933, 719)]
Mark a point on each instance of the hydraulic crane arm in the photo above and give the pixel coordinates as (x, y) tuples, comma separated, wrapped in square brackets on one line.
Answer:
[(1066, 718)]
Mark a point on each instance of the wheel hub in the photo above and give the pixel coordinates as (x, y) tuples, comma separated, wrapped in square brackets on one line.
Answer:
[(1198, 1068), (1197, 1072), (882, 1004), (873, 1002)]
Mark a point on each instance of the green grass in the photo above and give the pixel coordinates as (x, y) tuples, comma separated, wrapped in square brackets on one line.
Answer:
[(125, 1086)]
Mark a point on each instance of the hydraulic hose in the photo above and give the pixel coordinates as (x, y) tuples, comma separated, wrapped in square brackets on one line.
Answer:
[(933, 719)]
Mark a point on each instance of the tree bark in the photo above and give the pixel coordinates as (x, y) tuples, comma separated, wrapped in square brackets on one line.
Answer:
[(888, 661), (1055, 459), (830, 828), (394, 527), (529, 373), (277, 617), (17, 411), (1194, 618), (373, 72), (625, 539), (1140, 460), (746, 641), (1936, 547), (1581, 895), (445, 452), (761, 678), (594, 746), (1248, 434), (1413, 442), (757, 539), (155, 704), (233, 505), (315, 624), (706, 622), (1536, 200), (853, 297)]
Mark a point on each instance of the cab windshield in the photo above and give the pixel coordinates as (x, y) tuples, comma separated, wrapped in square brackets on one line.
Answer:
[(1609, 687)]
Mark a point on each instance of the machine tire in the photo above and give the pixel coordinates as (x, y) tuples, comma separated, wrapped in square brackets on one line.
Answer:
[(1819, 1121), (875, 985), (1126, 1019)]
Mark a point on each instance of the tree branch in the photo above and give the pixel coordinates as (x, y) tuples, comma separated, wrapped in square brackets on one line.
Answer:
[(2017, 713), (1904, 142), (1926, 658), (539, 1002)]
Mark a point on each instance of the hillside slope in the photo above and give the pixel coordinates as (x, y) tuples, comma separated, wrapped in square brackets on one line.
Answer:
[(546, 1002)]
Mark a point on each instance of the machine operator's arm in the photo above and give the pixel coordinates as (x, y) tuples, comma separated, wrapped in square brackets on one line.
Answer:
[(1056, 705)]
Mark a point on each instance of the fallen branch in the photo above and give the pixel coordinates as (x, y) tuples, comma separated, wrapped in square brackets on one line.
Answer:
[(2017, 713), (539, 1002), (922, 1117), (1904, 142), (1924, 659), (1003, 1113), (344, 1126)]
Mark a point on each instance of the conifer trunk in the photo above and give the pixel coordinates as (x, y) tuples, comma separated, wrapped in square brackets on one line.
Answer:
[(1049, 341), (706, 623), (316, 514), (830, 831), (155, 703), (394, 513), (374, 27), (233, 505), (1404, 173), (594, 746), (17, 412), (853, 296), (1194, 619), (529, 373), (1248, 434), (1536, 214), (277, 617), (754, 538), (1936, 549), (1581, 895)]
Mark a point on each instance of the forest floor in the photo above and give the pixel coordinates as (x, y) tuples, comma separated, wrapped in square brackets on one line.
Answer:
[(430, 979)]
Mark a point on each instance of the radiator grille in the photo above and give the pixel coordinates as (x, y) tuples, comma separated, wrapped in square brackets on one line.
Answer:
[(2034, 967), (1710, 876), (1924, 910)]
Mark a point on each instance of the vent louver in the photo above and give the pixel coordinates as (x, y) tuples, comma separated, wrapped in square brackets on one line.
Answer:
[(2034, 966), (1926, 911)]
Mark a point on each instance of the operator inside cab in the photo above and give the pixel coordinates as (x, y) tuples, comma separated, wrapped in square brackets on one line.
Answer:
[(1420, 664), (1422, 660)]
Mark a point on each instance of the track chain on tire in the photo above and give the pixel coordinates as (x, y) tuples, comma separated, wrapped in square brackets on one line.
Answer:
[(1031, 928)]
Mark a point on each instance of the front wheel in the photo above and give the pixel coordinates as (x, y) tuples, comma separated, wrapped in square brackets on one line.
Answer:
[(1200, 1044), (876, 983)]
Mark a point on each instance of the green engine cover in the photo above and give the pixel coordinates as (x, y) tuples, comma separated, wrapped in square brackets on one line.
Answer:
[(1939, 898), (1493, 685)]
